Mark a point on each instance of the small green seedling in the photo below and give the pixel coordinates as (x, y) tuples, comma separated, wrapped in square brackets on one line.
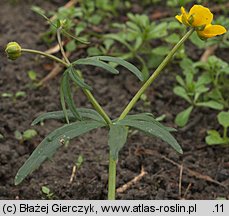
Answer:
[(79, 161), (26, 135), (79, 19), (14, 96), (76, 167), (17, 95), (136, 35), (145, 100), (47, 192), (32, 75), (214, 137), (198, 86)]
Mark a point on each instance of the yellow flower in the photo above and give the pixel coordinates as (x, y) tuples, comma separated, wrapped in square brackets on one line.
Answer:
[(200, 18)]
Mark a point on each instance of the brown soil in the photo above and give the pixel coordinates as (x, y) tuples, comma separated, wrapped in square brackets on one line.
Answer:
[(205, 169)]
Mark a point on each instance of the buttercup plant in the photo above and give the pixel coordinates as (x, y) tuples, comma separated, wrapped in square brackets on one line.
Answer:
[(82, 120)]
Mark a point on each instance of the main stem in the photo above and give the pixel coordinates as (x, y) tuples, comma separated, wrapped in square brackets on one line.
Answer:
[(155, 74), (112, 178)]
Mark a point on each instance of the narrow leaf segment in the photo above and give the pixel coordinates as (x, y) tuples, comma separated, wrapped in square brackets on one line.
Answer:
[(148, 125), (52, 142)]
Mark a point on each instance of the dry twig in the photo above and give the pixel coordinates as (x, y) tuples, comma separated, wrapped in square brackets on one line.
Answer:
[(190, 172), (55, 48), (126, 186), (180, 180), (74, 169), (186, 191), (194, 173), (55, 71), (208, 52)]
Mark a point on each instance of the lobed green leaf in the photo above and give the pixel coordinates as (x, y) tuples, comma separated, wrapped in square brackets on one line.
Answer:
[(148, 117), (85, 113), (97, 63), (56, 139), (123, 63), (151, 128), (66, 91), (77, 79)]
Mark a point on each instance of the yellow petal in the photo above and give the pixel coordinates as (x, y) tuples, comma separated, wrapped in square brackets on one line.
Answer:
[(200, 16), (184, 16), (211, 31), (179, 18)]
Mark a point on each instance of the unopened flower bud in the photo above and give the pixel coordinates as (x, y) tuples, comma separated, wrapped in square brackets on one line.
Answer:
[(13, 50)]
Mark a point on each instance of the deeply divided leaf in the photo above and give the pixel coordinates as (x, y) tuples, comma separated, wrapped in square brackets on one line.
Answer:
[(85, 113), (77, 79), (97, 63), (62, 101), (51, 143), (66, 91), (123, 63), (152, 128), (148, 117)]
